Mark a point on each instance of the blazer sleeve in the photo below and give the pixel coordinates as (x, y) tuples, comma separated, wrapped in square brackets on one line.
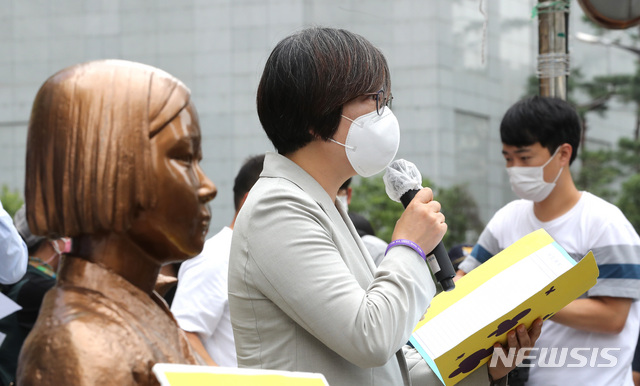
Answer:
[(293, 260)]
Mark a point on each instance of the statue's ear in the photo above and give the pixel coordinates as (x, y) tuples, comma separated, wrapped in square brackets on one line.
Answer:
[(618, 14)]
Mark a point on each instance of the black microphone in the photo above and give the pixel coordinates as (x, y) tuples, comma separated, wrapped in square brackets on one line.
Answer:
[(402, 181)]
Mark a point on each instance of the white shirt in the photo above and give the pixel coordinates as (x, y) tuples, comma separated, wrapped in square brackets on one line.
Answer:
[(201, 303), (376, 247)]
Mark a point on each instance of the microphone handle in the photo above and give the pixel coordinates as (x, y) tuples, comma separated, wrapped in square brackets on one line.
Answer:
[(438, 259)]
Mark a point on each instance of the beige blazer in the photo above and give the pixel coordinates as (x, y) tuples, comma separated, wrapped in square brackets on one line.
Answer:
[(305, 295)]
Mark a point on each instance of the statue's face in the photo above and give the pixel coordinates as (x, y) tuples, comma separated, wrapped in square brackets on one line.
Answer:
[(176, 227)]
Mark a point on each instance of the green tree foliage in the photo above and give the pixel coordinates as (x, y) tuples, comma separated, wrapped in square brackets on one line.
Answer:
[(628, 155), (370, 199), (629, 202), (11, 200), (626, 87), (603, 171), (461, 213), (597, 173), (614, 176)]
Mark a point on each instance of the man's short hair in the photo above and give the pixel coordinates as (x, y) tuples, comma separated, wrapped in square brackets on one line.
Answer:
[(307, 79), (362, 225), (549, 121), (246, 178), (345, 185), (88, 166)]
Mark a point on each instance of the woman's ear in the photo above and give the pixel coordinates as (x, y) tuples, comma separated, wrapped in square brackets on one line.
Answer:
[(313, 134)]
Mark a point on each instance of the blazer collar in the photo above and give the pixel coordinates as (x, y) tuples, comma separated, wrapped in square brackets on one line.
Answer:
[(279, 166)]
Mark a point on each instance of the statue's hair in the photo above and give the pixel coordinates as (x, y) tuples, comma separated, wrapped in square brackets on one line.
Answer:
[(88, 166)]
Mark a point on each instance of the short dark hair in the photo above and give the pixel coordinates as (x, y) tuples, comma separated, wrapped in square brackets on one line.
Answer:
[(549, 121), (307, 79), (345, 185), (246, 178), (362, 225)]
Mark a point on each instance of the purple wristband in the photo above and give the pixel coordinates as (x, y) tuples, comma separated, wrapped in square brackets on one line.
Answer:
[(406, 243)]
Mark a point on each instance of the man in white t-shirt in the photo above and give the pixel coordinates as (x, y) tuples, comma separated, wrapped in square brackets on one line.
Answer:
[(201, 303), (592, 340)]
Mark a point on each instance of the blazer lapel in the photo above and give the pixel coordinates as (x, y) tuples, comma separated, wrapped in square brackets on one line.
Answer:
[(353, 250)]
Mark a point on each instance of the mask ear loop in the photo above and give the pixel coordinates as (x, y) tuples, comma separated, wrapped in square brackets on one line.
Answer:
[(55, 246), (57, 250), (348, 119), (547, 163), (342, 144), (552, 157)]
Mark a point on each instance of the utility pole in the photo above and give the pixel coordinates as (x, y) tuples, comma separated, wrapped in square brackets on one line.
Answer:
[(553, 52)]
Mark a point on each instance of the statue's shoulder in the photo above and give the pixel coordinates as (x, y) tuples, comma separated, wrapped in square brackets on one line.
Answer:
[(75, 342)]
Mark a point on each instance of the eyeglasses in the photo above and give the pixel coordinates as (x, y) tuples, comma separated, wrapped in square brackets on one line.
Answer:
[(381, 100)]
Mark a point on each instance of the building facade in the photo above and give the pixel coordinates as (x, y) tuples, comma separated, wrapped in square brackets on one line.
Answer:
[(454, 72)]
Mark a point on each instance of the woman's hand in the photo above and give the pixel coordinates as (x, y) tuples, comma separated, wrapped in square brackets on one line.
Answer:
[(422, 222), (520, 339)]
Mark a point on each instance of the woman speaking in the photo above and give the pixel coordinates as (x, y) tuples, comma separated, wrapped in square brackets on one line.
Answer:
[(304, 293)]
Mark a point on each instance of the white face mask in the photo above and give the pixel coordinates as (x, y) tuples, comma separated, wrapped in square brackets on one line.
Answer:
[(343, 200), (372, 142), (528, 181)]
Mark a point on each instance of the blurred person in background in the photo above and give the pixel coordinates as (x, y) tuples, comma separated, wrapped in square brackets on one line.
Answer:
[(44, 258), (13, 251), (458, 253), (375, 245)]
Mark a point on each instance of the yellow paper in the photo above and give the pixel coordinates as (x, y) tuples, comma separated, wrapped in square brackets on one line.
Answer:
[(533, 278), (188, 375)]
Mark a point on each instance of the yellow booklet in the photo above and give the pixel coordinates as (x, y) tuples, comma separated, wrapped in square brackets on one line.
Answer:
[(169, 374), (533, 278)]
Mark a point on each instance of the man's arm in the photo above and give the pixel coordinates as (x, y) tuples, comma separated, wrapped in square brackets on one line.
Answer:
[(602, 314), (459, 275), (479, 254), (198, 347)]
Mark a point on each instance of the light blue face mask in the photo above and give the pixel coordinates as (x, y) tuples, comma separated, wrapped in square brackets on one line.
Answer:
[(372, 142)]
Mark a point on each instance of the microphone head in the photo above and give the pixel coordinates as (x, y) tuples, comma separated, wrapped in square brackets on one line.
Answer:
[(400, 177)]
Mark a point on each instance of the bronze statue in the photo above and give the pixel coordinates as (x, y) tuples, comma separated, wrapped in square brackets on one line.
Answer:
[(113, 155)]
